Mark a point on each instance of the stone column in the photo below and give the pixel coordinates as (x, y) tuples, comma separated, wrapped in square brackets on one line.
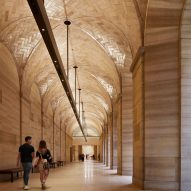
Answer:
[(127, 123), (162, 116), (162, 90), (157, 118), (103, 145), (119, 135), (138, 124), (115, 136), (106, 144), (186, 98), (101, 148), (111, 139)]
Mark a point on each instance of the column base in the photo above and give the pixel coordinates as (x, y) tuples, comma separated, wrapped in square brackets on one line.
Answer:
[(127, 172), (138, 182), (161, 185), (186, 186)]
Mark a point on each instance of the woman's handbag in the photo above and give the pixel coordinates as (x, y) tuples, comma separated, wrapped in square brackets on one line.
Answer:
[(46, 165), (43, 163), (41, 166)]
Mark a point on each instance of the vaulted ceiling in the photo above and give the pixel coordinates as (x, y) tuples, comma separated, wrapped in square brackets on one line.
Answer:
[(103, 38)]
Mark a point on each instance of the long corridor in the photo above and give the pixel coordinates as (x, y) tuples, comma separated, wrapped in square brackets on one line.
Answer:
[(104, 80), (78, 176)]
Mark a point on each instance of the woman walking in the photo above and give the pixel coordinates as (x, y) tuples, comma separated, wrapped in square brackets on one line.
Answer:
[(44, 158)]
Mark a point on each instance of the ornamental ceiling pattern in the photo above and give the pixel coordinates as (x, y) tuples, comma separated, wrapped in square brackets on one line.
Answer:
[(103, 38)]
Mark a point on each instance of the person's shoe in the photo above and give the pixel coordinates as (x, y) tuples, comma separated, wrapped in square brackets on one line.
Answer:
[(43, 186), (26, 187)]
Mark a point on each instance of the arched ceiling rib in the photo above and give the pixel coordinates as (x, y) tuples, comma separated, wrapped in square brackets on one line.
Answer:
[(21, 40)]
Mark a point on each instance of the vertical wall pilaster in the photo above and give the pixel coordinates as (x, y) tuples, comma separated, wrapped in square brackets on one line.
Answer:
[(111, 139), (106, 144), (119, 136), (127, 123), (115, 136), (156, 118), (138, 124), (157, 101), (101, 148), (162, 117), (103, 145), (109, 142), (186, 98)]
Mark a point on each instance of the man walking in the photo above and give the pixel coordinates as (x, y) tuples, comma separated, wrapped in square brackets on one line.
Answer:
[(26, 155)]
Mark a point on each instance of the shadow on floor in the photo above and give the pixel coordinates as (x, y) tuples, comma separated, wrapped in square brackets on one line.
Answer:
[(34, 188), (129, 187)]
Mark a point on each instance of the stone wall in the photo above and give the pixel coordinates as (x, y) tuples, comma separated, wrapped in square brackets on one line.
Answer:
[(21, 116)]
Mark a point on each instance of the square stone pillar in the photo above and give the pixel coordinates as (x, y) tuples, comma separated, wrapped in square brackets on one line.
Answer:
[(104, 157), (115, 138), (138, 124), (101, 148), (186, 98), (156, 80), (119, 135), (109, 140), (162, 117), (106, 143), (157, 120), (127, 124), (110, 120)]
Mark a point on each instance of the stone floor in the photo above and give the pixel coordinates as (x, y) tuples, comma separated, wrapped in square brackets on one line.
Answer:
[(79, 176)]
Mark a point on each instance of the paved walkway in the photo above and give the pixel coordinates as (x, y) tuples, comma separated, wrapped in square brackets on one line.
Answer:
[(79, 176)]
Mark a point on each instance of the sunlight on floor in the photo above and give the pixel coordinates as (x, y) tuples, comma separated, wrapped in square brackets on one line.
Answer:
[(81, 176)]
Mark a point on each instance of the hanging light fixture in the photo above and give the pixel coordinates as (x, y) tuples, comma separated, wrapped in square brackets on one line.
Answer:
[(67, 23), (82, 114), (75, 68), (84, 126), (79, 101)]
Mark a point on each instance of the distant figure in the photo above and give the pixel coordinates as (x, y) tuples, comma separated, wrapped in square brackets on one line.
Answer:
[(26, 155), (44, 158), (83, 157)]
